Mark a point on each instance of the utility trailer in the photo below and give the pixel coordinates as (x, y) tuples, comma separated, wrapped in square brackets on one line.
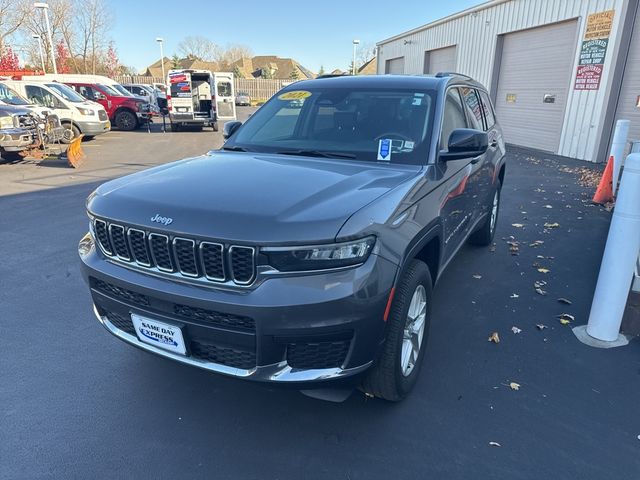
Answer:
[(200, 98)]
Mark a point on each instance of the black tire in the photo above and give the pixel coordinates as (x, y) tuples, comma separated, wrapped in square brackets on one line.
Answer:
[(385, 379), (215, 126), (70, 132), (88, 137), (10, 156), (483, 236), (126, 120)]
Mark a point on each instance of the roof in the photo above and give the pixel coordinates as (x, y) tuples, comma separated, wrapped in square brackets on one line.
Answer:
[(421, 82), (462, 13), (369, 68)]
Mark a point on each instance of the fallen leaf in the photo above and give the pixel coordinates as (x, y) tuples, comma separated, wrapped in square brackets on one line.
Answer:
[(494, 337), (539, 291), (514, 295), (495, 444), (566, 319), (515, 330), (564, 300), (517, 225), (551, 225), (539, 283), (492, 248), (548, 206), (476, 276), (540, 326), (544, 270), (514, 386), (537, 243)]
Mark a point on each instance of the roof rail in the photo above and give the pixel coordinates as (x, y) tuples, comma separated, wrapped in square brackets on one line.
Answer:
[(451, 74), (332, 75)]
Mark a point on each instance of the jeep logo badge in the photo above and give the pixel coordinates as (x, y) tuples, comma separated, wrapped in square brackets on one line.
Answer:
[(163, 220)]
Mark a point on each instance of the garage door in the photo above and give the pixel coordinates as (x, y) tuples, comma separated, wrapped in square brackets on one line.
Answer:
[(440, 60), (533, 84), (394, 65), (627, 107)]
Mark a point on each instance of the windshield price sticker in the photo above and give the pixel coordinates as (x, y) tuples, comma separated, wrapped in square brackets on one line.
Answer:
[(294, 95), (384, 149)]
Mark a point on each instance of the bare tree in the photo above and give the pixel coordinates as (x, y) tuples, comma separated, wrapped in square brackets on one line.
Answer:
[(199, 47), (92, 22), (365, 52), (12, 16), (233, 52)]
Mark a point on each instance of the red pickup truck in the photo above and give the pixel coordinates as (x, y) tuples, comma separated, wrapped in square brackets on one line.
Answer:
[(126, 113)]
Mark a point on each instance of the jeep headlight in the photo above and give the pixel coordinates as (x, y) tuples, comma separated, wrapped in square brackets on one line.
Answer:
[(319, 257), (86, 244), (6, 122), (85, 111)]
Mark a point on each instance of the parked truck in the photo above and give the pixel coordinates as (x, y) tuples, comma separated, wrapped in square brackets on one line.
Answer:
[(200, 98)]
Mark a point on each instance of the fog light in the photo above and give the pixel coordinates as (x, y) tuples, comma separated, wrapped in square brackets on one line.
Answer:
[(86, 245)]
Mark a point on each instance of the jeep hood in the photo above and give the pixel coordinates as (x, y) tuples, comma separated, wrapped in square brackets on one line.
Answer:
[(247, 197)]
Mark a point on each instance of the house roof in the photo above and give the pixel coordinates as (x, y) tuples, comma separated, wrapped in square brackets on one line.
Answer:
[(369, 68)]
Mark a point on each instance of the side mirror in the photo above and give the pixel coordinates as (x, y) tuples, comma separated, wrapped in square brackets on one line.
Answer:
[(99, 96), (465, 143), (230, 128)]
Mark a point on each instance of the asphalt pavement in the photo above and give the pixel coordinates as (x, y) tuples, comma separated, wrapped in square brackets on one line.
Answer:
[(78, 403)]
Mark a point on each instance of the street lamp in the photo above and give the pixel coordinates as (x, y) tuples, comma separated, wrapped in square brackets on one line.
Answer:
[(37, 37), (353, 65), (45, 11), (160, 40)]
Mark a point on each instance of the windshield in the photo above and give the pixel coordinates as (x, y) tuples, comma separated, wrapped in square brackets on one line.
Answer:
[(110, 91), (67, 93), (10, 97), (121, 90), (384, 125)]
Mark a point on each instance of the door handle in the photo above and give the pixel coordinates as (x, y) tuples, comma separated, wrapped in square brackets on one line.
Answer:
[(475, 160)]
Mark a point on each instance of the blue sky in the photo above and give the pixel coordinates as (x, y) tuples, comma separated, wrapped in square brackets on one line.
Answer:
[(314, 33)]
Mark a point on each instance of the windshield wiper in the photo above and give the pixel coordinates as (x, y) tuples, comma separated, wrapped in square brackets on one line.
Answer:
[(317, 153), (234, 149)]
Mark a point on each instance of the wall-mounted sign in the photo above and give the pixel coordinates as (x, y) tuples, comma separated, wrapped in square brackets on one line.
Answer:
[(593, 51), (588, 77), (511, 98), (549, 98), (599, 25)]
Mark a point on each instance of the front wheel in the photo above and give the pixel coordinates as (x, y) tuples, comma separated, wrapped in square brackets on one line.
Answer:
[(215, 126), (483, 236), (70, 132), (126, 120), (395, 372)]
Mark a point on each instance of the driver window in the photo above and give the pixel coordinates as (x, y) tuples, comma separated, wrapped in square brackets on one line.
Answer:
[(39, 96), (453, 117)]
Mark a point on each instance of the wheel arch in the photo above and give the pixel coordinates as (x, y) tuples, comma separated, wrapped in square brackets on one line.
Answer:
[(69, 121), (428, 249)]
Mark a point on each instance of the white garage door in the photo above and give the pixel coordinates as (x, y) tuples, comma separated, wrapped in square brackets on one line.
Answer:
[(535, 76), (440, 60), (394, 65), (627, 107)]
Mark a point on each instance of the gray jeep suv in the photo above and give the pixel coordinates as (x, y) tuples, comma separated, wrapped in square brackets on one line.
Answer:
[(306, 250)]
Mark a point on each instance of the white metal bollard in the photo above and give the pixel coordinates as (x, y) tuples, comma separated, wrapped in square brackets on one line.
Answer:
[(617, 149), (619, 259)]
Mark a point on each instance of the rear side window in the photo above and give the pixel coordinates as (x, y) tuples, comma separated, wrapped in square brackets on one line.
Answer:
[(453, 117), (487, 109), (472, 104), (224, 89)]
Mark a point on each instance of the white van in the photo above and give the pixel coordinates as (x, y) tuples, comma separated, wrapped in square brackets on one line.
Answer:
[(200, 98), (77, 114)]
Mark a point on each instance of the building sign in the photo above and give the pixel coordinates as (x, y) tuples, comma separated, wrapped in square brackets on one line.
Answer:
[(511, 98), (599, 25), (593, 50), (588, 77)]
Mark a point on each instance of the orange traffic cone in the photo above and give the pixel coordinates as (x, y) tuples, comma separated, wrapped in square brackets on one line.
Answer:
[(604, 193)]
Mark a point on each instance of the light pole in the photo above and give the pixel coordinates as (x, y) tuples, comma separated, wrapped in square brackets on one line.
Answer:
[(39, 39), (353, 65), (45, 8), (160, 40)]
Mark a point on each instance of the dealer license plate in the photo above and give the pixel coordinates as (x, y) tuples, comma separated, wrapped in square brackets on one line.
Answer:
[(159, 334)]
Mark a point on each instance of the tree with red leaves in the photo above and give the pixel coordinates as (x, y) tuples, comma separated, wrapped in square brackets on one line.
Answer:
[(62, 57), (9, 60), (113, 62)]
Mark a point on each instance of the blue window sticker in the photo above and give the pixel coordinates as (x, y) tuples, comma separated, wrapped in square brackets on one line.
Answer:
[(384, 149)]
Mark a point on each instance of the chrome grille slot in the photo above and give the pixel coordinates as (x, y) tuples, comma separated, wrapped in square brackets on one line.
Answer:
[(213, 260), (119, 241), (176, 256), (139, 249), (185, 255), (242, 264), (160, 251), (102, 235)]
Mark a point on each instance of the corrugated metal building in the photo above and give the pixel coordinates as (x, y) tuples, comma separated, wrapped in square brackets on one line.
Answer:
[(560, 72)]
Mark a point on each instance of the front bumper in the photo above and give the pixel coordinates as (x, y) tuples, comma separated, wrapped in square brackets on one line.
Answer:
[(15, 139), (304, 330), (94, 128)]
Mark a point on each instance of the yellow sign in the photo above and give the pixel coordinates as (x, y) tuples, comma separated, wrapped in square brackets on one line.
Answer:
[(511, 98), (294, 95), (599, 25)]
